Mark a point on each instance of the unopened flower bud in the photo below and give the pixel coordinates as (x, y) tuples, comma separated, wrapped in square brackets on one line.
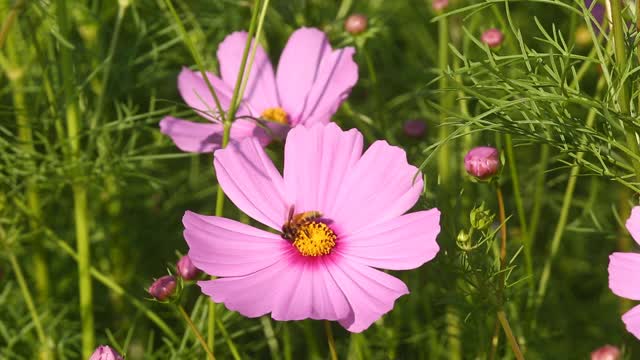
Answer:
[(414, 128), (186, 269), (492, 37), (607, 352), (481, 217), (463, 237), (439, 4), (583, 37), (163, 288), (104, 352), (482, 162), (356, 23)]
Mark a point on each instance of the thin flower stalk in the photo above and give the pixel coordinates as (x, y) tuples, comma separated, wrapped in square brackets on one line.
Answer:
[(45, 353), (25, 136), (621, 60), (79, 189), (255, 28), (195, 331), (331, 342), (452, 319), (562, 219)]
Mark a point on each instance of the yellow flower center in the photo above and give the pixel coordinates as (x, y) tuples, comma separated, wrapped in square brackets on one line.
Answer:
[(276, 114), (314, 239)]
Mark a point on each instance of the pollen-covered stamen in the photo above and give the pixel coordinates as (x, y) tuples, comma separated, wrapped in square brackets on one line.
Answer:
[(314, 239), (276, 114)]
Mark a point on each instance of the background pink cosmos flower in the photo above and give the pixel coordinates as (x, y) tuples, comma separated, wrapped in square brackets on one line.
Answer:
[(624, 269), (311, 82), (347, 219)]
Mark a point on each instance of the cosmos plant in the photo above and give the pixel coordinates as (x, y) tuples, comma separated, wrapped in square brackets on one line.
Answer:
[(339, 214)]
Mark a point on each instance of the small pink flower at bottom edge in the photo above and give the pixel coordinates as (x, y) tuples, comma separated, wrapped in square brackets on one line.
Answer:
[(607, 352), (340, 214), (105, 352)]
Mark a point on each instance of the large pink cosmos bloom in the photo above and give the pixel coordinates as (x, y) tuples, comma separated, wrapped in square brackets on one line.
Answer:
[(311, 82), (338, 214), (624, 269)]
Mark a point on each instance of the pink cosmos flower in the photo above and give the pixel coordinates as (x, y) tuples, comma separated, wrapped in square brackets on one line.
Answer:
[(311, 82), (105, 352), (338, 214), (624, 269)]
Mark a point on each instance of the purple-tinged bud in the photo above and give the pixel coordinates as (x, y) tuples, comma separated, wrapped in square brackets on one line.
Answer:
[(439, 5), (482, 162), (163, 288), (414, 128), (104, 352), (356, 23), (186, 269), (492, 37), (607, 352)]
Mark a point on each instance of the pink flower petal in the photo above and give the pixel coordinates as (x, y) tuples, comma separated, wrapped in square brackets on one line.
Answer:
[(261, 87), (379, 187), (312, 293), (371, 293), (623, 275), (252, 295), (252, 182), (633, 224), (337, 74), (204, 138), (191, 136), (315, 163), (196, 94), (402, 243), (631, 320), (298, 68), (291, 289), (224, 247)]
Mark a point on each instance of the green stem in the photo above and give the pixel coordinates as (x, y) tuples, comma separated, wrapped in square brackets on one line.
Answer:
[(263, 13), (26, 294), (196, 56), (512, 339), (25, 136), (444, 170), (538, 194), (564, 212), (503, 262), (230, 344), (235, 103), (197, 333), (270, 335), (443, 131), (330, 340), (515, 181), (623, 96), (9, 21), (81, 212), (122, 8)]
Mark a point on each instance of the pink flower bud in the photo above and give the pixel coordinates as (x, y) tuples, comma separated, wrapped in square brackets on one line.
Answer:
[(482, 162), (607, 352), (163, 288), (492, 37), (104, 352), (439, 4), (186, 269), (356, 23), (414, 128)]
